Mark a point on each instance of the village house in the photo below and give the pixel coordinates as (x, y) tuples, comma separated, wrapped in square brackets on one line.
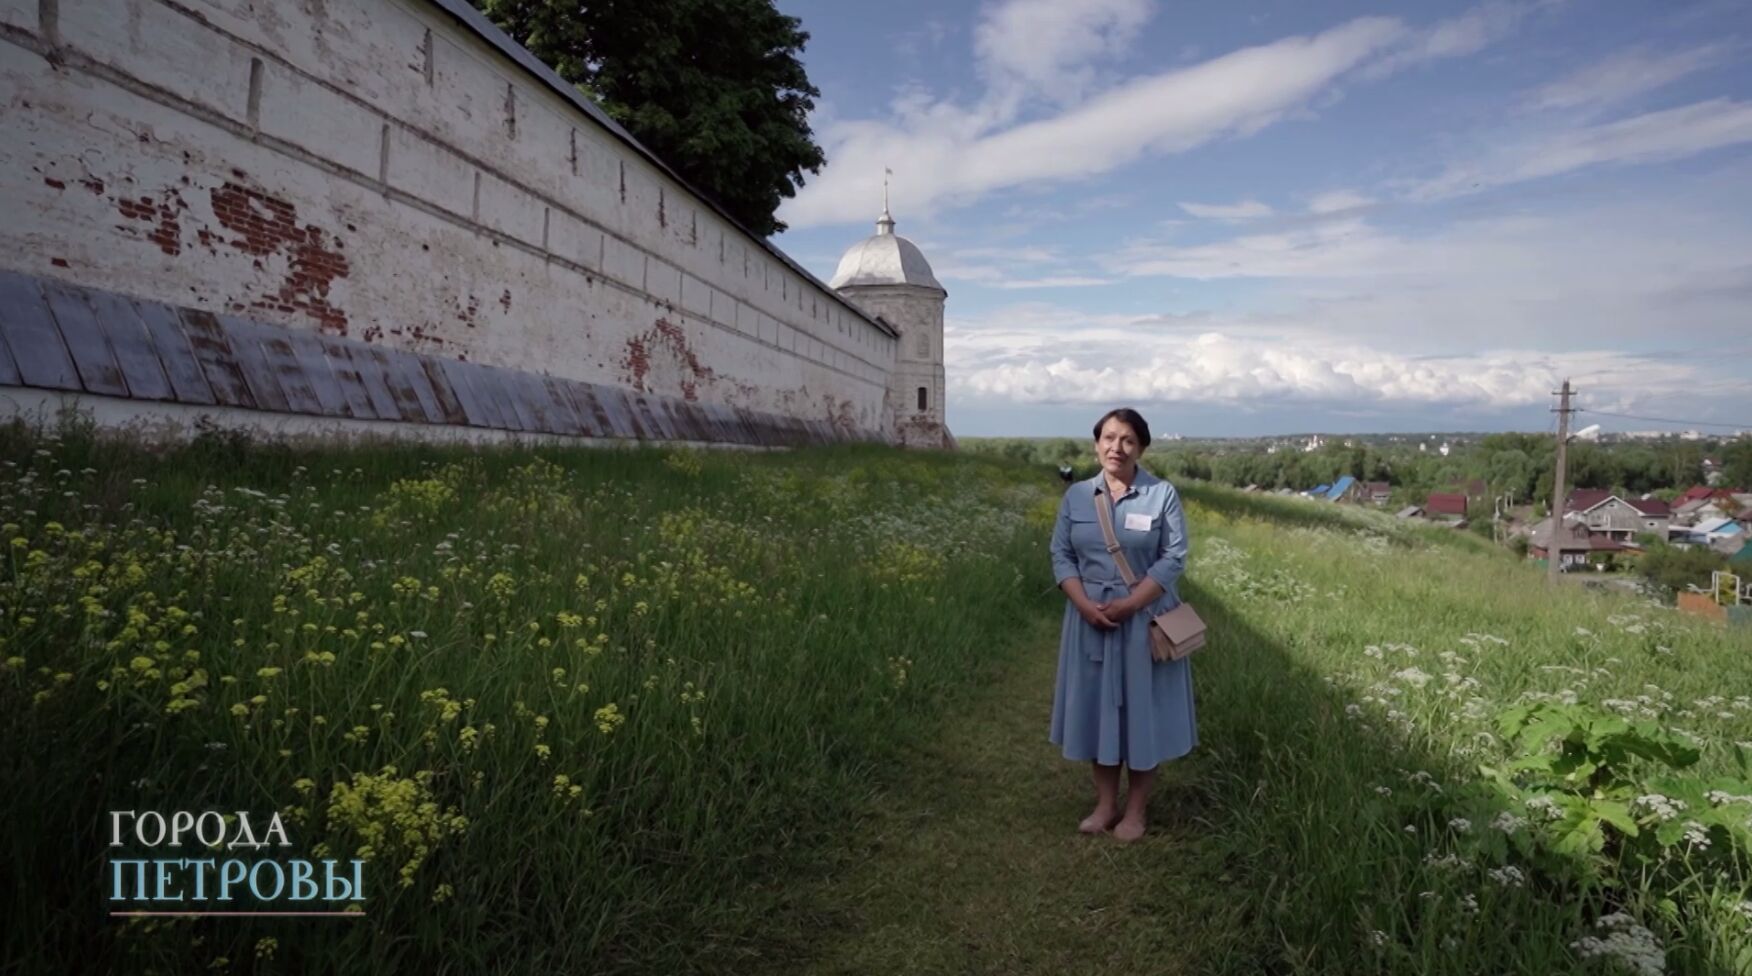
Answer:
[(1574, 540), (1340, 489), (1703, 504), (1606, 513), (1442, 504), (1576, 544), (1370, 493)]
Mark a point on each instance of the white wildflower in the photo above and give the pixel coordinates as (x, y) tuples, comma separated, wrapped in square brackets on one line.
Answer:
[(1508, 877), (1661, 807), (1412, 677), (1696, 835), (1627, 942), (1508, 823)]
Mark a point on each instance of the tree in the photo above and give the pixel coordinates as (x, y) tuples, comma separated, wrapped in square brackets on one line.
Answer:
[(1674, 568), (713, 87), (1736, 458)]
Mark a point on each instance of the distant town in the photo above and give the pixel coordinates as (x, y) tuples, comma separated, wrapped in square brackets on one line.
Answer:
[(1663, 512)]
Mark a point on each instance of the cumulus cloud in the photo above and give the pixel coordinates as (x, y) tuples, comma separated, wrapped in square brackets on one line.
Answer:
[(1626, 75), (1035, 354), (1106, 364)]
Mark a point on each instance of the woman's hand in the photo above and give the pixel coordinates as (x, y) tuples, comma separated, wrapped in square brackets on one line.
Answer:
[(1119, 610), (1094, 614)]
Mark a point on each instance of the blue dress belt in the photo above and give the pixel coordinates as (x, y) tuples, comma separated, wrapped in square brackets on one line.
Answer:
[(1113, 673)]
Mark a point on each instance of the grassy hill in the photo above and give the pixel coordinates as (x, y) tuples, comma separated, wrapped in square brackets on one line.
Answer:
[(568, 702), (585, 710)]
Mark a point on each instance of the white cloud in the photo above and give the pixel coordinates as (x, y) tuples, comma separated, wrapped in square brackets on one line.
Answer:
[(1336, 201), (1664, 269), (1468, 33), (1652, 137), (1108, 362), (1244, 210), (995, 276), (1046, 47), (1625, 75), (941, 152)]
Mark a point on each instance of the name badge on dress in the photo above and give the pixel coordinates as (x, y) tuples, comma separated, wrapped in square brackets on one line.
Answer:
[(1137, 521)]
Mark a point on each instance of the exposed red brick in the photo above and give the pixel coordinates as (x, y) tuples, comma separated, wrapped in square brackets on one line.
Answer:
[(59, 262), (57, 184), (167, 229), (468, 314), (637, 361), (267, 225)]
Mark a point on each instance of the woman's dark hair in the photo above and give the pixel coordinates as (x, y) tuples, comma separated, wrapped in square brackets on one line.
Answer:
[(1130, 418)]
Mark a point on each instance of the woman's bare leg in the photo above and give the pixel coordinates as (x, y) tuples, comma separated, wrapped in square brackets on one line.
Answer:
[(1137, 794), (1106, 811)]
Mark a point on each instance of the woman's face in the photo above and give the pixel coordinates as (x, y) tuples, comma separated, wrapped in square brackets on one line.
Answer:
[(1117, 448)]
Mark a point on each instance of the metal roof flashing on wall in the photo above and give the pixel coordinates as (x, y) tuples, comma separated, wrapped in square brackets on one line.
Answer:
[(59, 336), (477, 23)]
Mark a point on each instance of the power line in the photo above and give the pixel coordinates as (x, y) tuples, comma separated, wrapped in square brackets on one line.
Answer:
[(1664, 420)]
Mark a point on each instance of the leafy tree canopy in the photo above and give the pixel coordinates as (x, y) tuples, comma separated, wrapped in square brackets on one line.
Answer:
[(713, 87)]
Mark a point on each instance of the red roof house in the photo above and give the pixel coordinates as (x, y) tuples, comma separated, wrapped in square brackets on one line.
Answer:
[(1650, 506), (1445, 503)]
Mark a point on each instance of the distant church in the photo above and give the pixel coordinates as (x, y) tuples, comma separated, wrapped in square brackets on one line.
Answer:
[(887, 275)]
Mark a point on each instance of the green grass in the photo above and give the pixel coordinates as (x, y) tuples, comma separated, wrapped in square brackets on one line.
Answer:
[(1340, 769), (830, 673), (714, 651)]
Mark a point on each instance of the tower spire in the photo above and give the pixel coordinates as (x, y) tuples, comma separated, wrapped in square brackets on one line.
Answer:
[(885, 223)]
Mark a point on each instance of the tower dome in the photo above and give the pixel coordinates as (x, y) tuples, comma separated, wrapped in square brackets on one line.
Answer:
[(884, 258)]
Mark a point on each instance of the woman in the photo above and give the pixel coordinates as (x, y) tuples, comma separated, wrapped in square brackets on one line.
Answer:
[(1114, 704)]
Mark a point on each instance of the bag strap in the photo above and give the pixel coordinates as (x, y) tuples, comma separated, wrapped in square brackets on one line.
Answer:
[(1104, 515)]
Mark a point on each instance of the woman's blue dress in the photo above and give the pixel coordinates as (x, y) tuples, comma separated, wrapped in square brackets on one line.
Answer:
[(1114, 703)]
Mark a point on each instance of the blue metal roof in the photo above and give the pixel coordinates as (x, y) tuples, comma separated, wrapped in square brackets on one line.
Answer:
[(1339, 487)]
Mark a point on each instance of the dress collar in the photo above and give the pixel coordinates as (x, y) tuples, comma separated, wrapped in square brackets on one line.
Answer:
[(1144, 478)]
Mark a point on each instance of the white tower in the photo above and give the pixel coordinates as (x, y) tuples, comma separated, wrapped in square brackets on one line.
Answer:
[(888, 276)]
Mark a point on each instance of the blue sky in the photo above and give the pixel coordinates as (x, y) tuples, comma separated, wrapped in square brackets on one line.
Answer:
[(1285, 216)]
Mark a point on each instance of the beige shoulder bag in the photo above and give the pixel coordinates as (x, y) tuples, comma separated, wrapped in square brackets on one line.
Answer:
[(1173, 635)]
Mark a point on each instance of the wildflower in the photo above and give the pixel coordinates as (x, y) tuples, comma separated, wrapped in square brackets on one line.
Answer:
[(1460, 825), (609, 718), (1663, 808), (1545, 805), (1507, 822), (1412, 676), (1696, 835), (1627, 942), (267, 672), (1508, 877)]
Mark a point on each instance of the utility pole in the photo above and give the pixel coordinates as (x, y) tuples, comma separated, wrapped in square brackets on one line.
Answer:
[(1554, 548)]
